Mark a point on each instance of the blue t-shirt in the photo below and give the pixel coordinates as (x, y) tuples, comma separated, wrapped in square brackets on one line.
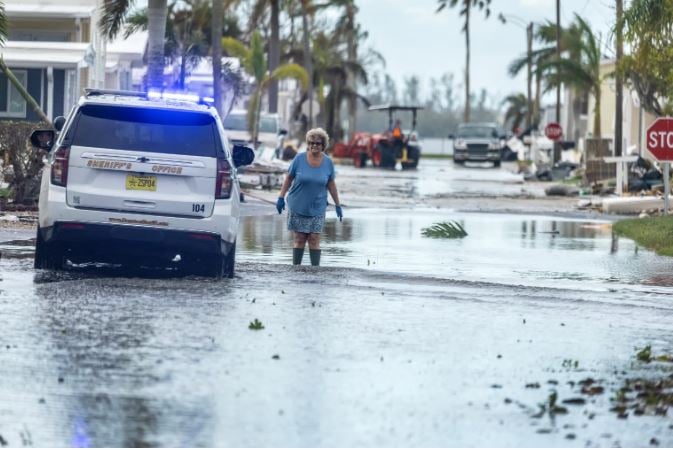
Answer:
[(308, 192)]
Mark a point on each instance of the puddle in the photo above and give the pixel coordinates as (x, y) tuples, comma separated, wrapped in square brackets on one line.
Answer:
[(510, 249)]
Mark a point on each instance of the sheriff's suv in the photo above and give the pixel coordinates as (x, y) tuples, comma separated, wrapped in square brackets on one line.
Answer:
[(140, 180)]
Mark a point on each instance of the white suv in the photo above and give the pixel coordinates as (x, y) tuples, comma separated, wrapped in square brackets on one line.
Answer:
[(142, 180)]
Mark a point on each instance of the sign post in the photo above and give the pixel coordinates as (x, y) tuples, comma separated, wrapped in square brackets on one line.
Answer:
[(659, 138), (554, 131)]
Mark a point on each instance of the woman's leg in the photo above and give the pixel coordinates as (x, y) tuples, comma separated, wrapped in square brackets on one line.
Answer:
[(314, 248), (298, 248)]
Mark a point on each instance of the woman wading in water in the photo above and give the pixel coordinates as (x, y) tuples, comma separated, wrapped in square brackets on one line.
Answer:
[(309, 177)]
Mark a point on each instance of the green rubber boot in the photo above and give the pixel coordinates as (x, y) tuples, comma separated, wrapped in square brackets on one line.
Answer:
[(297, 255), (315, 257)]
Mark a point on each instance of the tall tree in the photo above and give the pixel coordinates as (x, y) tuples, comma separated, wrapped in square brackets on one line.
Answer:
[(186, 40), (254, 62), (465, 8), (648, 31), (517, 108), (113, 18), (581, 68), (258, 10)]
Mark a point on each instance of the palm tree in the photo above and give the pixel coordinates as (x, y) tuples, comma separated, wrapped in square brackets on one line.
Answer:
[(186, 38), (254, 62), (258, 10), (114, 16), (517, 108), (581, 68), (465, 7)]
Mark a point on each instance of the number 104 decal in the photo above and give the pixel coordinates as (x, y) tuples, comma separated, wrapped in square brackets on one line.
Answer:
[(198, 207)]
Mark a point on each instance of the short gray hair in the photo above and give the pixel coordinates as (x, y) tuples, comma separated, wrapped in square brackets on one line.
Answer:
[(318, 132)]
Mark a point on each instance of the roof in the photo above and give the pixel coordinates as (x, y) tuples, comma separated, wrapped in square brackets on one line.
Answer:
[(61, 9), (37, 54), (394, 107)]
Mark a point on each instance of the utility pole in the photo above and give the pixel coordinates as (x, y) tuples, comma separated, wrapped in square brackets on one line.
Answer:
[(529, 105), (619, 100), (558, 58), (557, 145)]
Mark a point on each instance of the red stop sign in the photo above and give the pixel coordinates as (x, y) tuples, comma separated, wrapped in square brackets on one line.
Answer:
[(660, 139), (553, 131)]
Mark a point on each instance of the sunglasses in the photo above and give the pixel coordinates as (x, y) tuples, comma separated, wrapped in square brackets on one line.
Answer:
[(315, 143)]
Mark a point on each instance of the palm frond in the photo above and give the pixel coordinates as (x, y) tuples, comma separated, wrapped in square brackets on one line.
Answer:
[(447, 230), (113, 16), (285, 71), (135, 22)]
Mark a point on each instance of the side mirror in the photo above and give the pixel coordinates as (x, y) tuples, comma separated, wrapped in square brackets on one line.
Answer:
[(282, 132), (43, 139), (452, 136), (59, 122), (242, 155)]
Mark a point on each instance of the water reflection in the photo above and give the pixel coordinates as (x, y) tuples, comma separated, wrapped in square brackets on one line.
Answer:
[(499, 247)]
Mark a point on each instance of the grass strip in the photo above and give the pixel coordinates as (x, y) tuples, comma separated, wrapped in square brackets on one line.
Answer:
[(654, 233)]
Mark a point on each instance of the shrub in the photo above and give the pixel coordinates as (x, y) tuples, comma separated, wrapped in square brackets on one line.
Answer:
[(24, 163)]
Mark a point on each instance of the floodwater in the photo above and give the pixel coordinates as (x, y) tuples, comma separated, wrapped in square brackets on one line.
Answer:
[(397, 340)]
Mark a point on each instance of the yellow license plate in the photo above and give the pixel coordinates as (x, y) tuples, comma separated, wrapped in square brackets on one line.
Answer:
[(141, 183)]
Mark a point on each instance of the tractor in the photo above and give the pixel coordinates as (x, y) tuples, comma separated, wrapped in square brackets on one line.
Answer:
[(384, 149)]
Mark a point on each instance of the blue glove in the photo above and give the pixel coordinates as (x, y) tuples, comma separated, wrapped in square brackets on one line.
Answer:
[(340, 213), (280, 205)]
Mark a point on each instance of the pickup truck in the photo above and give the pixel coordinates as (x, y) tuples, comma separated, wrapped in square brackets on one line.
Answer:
[(478, 142)]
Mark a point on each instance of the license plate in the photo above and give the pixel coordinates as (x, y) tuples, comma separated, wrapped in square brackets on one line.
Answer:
[(141, 183)]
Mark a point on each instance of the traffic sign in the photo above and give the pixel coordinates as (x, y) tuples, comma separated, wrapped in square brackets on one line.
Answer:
[(660, 139), (553, 131)]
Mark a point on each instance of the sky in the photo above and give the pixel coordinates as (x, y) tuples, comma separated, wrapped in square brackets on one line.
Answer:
[(415, 40)]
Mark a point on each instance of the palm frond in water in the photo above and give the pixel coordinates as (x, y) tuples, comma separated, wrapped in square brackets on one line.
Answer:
[(450, 230)]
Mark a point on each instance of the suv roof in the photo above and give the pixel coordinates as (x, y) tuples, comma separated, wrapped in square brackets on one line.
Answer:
[(182, 102)]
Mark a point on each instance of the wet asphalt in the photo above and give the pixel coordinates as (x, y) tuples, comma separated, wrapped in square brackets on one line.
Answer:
[(396, 340)]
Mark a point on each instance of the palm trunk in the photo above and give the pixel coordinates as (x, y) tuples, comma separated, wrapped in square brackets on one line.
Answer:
[(216, 35), (352, 57), (274, 55), (597, 112), (308, 61), (466, 116), (156, 30), (24, 93), (536, 107)]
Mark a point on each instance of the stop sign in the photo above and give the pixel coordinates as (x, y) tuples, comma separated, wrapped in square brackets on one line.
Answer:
[(553, 131), (660, 139)]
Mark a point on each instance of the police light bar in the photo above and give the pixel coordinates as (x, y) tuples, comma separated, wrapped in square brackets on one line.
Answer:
[(179, 96)]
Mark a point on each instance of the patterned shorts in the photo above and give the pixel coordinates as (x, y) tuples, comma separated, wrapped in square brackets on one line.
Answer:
[(304, 224)]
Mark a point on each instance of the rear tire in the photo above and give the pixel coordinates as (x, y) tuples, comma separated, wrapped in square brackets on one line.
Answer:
[(229, 262), (46, 256), (360, 160), (496, 163)]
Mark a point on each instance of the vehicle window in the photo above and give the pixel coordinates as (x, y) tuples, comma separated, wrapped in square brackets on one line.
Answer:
[(268, 125), (477, 132), (145, 129), (236, 122)]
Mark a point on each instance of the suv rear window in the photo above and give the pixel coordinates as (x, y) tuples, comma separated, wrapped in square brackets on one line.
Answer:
[(146, 129)]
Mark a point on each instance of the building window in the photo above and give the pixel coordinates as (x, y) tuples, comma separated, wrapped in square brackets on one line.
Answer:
[(12, 103)]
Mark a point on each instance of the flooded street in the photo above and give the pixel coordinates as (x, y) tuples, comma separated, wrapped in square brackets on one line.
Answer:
[(397, 340)]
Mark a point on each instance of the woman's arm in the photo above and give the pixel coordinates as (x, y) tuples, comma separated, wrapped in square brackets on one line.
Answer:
[(331, 187)]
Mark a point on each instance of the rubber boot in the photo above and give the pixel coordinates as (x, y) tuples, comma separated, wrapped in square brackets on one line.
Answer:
[(297, 255), (315, 257)]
